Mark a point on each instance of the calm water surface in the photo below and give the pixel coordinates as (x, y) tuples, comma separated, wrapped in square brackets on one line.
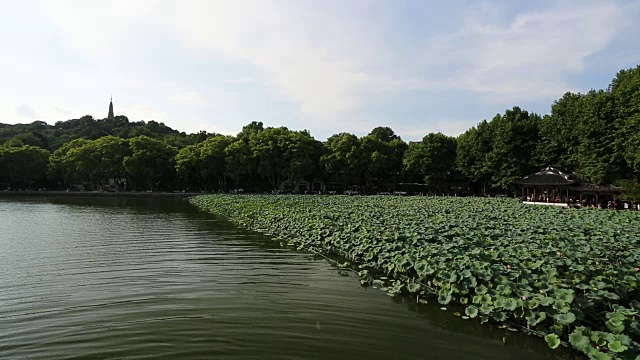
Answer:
[(97, 277)]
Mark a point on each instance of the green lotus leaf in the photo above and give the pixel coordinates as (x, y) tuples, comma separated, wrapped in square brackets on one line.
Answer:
[(535, 318), (547, 301), (583, 286), (413, 287), (578, 340), (470, 282), (480, 290), (503, 289), (450, 277), (552, 340), (499, 316), (471, 311), (615, 326), (561, 307), (566, 319), (566, 297), (624, 339), (486, 308), (510, 304), (444, 299), (617, 347), (597, 355), (616, 316)]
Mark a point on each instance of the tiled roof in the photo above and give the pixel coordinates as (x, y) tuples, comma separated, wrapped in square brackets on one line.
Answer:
[(549, 176)]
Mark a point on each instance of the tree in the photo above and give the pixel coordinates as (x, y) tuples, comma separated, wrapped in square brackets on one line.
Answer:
[(474, 148), (384, 133), (515, 138), (339, 159), (377, 159), (302, 157), (269, 148), (596, 154), (188, 164), (109, 153), (240, 161), (23, 166), (434, 158), (61, 167), (213, 160), (249, 130), (152, 162), (559, 136), (625, 91), (282, 154)]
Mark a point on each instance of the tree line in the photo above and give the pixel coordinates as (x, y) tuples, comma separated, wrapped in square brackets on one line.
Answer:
[(596, 134)]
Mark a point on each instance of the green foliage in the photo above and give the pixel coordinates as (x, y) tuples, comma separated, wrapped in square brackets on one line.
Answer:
[(90, 162), (339, 159), (151, 161), (596, 134), (282, 154), (552, 340), (433, 158), (204, 164), (567, 274), (22, 167)]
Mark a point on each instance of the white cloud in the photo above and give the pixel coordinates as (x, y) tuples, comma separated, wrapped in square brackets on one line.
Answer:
[(146, 112), (527, 57), (272, 36), (189, 97), (26, 111), (277, 40), (326, 62)]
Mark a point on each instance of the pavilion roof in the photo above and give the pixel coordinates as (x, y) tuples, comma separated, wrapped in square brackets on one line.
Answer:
[(548, 176)]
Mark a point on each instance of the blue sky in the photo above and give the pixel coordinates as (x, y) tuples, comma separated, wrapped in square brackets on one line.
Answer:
[(326, 66)]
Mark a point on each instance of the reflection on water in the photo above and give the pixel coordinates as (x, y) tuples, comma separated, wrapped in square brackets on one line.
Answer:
[(95, 277)]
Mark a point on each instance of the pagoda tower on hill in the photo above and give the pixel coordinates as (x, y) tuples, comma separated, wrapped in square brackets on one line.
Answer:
[(110, 116)]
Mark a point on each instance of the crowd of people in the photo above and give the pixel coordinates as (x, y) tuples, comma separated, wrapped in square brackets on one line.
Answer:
[(612, 204)]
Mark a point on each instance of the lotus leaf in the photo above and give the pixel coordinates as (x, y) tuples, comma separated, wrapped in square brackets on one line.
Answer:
[(616, 346), (566, 319), (471, 311), (578, 340), (552, 340), (534, 265)]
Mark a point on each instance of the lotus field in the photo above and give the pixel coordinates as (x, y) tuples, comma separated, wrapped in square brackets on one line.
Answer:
[(569, 275)]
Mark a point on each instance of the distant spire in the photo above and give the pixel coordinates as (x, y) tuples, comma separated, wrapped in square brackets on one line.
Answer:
[(110, 116)]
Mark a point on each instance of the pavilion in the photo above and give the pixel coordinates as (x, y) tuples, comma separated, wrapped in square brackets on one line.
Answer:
[(556, 187)]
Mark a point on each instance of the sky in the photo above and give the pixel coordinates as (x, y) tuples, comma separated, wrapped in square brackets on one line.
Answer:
[(323, 65)]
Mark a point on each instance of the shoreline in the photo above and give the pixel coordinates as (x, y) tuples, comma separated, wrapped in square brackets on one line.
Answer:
[(99, 193)]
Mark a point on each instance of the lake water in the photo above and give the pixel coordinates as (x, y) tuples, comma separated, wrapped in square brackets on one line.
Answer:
[(106, 277)]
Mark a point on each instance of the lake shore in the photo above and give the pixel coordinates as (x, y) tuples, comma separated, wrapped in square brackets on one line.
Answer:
[(99, 193)]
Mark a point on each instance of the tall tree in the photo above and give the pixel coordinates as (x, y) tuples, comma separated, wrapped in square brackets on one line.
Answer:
[(23, 166), (378, 160), (151, 163), (213, 160), (240, 161), (339, 159), (434, 158), (515, 138), (474, 148), (596, 149), (559, 136)]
